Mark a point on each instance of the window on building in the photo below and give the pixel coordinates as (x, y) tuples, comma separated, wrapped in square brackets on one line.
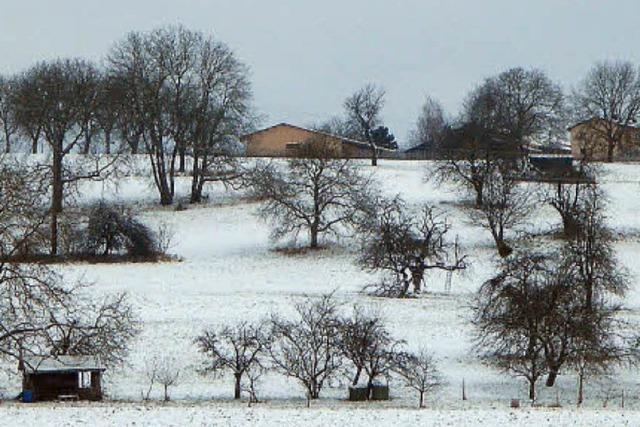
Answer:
[(84, 379)]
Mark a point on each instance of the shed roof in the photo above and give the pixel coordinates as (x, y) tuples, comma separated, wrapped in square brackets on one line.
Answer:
[(52, 364)]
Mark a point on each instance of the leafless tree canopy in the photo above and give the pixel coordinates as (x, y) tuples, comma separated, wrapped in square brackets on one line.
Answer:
[(500, 119), (520, 106), (506, 203), (539, 314), (58, 99), (407, 245), (186, 94), (430, 126), (239, 349), (307, 348), (611, 93), (8, 124), (419, 372), (315, 193), (363, 109), (368, 346)]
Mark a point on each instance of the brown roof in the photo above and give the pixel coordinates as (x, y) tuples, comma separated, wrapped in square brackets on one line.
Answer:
[(317, 132), (592, 119)]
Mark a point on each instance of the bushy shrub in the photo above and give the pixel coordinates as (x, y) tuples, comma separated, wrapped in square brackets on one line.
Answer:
[(112, 229)]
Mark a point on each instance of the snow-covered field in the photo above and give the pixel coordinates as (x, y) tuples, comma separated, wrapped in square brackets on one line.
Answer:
[(229, 272)]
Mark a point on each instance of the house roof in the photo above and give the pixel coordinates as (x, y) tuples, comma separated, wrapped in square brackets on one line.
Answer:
[(53, 364), (350, 141), (583, 122), (417, 148)]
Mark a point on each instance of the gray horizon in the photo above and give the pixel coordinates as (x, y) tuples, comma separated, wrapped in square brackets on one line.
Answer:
[(306, 57)]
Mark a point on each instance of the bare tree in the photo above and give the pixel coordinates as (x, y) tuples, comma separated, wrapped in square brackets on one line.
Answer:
[(471, 153), (61, 97), (508, 314), (419, 372), (142, 61), (108, 108), (23, 200), (521, 106), (363, 108), (186, 93), (164, 370), (367, 344), (609, 99), (408, 244), (219, 112), (567, 198), (307, 348), (315, 194), (238, 349), (39, 313), (102, 327), (533, 319), (500, 119), (430, 127), (507, 203), (7, 111)]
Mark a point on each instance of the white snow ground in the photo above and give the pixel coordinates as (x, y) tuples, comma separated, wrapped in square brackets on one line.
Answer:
[(229, 272)]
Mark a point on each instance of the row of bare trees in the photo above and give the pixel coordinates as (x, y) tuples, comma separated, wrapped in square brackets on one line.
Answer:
[(520, 107), (318, 196), (317, 346), (553, 310), (172, 93)]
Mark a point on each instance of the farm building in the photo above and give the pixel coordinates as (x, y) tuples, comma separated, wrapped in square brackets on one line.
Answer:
[(588, 139), (285, 140), (61, 378)]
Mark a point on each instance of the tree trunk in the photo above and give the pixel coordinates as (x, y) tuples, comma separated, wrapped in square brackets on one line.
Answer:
[(56, 197), (356, 379), (532, 390), (504, 250), (237, 389), (196, 185), (314, 236), (34, 146), (580, 387), (107, 142), (422, 399), (369, 388), (183, 154), (7, 140), (166, 393), (417, 275), (374, 155), (553, 375), (313, 390), (569, 226), (610, 149), (87, 144)]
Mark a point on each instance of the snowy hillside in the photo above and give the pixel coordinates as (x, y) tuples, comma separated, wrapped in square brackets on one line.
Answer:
[(229, 271)]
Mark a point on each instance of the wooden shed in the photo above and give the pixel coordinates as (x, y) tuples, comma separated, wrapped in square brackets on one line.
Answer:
[(62, 378)]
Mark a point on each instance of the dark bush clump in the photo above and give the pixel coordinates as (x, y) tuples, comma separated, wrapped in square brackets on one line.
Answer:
[(114, 230)]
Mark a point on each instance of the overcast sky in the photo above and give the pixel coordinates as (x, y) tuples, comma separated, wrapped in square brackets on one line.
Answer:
[(306, 56)]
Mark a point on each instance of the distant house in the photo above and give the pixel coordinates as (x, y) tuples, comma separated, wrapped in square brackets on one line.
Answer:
[(588, 139), (48, 378), (422, 151), (285, 140)]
